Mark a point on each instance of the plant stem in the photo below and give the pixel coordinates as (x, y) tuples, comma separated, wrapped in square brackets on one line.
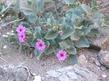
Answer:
[(17, 20), (5, 9)]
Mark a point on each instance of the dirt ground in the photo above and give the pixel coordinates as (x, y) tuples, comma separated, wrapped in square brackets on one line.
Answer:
[(11, 56), (87, 58)]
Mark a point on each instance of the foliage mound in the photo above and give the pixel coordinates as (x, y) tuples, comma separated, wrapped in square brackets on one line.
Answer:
[(55, 27)]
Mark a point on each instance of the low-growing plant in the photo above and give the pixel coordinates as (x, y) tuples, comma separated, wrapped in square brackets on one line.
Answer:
[(59, 27)]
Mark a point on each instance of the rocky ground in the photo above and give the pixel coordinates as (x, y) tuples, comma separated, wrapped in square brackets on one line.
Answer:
[(92, 64)]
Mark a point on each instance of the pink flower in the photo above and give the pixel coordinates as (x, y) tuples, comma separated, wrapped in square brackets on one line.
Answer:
[(40, 45), (22, 37), (61, 55), (21, 29)]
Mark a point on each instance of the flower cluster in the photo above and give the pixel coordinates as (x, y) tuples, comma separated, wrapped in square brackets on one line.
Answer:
[(21, 32), (40, 44)]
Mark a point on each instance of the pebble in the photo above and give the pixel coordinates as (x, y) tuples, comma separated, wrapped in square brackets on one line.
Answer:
[(97, 63), (4, 35), (70, 74), (37, 78), (10, 33), (5, 46), (53, 73), (104, 76), (102, 68), (104, 58), (63, 78), (82, 59)]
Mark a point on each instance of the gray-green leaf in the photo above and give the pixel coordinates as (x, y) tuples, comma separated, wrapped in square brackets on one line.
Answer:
[(72, 51), (67, 33), (51, 35), (64, 45), (83, 42)]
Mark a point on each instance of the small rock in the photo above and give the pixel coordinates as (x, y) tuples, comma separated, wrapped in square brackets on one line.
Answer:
[(53, 73), (37, 78), (65, 69), (97, 63), (82, 59), (70, 74), (103, 68), (5, 36), (63, 78), (74, 73), (104, 58), (21, 74), (104, 76), (5, 46), (101, 42), (13, 73)]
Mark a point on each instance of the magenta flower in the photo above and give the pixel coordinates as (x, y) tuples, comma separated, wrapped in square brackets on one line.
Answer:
[(40, 45), (21, 29), (22, 37), (61, 55)]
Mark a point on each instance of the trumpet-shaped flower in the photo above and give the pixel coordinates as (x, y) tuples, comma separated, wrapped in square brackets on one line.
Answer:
[(22, 37), (21, 29), (61, 55), (40, 45)]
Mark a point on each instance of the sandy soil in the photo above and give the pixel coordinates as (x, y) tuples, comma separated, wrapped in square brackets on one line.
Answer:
[(39, 67)]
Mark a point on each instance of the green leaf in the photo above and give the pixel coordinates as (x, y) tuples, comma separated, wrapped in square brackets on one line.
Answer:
[(29, 2), (98, 20), (106, 20), (38, 54), (38, 5), (94, 4), (51, 35), (86, 30), (51, 20), (49, 51), (48, 0), (1, 7), (17, 6), (93, 33), (35, 52), (64, 45), (86, 9), (67, 33), (32, 18), (73, 59), (72, 51), (82, 43), (27, 12), (37, 32), (74, 17), (47, 43), (69, 1), (74, 37)]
